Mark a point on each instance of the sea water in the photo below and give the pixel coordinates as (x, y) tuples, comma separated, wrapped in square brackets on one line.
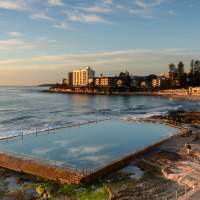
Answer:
[(25, 110)]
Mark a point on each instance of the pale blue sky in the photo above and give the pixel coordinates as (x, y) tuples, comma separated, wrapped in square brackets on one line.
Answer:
[(40, 41)]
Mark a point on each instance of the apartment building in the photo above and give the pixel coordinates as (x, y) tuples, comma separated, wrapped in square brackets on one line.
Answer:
[(81, 77), (105, 81)]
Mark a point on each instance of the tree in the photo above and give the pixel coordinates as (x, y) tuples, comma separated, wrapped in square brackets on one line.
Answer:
[(172, 74), (195, 73), (197, 67), (125, 78), (172, 68), (192, 66), (180, 68)]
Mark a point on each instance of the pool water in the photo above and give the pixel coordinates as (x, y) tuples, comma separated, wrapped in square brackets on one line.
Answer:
[(89, 146)]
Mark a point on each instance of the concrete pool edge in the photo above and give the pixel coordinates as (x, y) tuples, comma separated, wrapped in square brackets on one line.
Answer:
[(124, 161), (40, 169)]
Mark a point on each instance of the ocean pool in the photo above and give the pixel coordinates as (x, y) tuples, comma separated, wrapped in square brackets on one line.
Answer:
[(89, 146)]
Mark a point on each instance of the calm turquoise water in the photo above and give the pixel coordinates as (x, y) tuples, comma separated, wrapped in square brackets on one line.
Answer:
[(89, 146)]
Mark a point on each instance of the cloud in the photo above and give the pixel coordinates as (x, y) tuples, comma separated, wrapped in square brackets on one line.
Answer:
[(19, 43), (43, 151), (15, 44), (112, 57), (97, 159), (55, 2), (151, 3), (42, 17), (89, 58), (61, 143), (108, 1), (93, 154), (141, 13), (171, 12), (88, 13), (97, 9), (61, 25), (15, 34), (83, 11), (84, 18), (145, 8), (144, 4), (13, 4), (84, 150), (52, 68)]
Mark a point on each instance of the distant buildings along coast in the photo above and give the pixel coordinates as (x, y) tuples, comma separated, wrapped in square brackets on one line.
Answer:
[(177, 79)]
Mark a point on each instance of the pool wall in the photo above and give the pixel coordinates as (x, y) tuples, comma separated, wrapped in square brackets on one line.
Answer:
[(40, 169), (122, 162)]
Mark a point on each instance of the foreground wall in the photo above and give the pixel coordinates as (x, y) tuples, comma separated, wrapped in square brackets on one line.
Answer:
[(36, 168)]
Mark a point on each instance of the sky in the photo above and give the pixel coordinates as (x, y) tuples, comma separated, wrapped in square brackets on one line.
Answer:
[(41, 41)]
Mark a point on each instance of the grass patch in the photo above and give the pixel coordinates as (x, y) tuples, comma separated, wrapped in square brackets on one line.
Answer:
[(2, 193), (88, 192), (98, 194), (69, 190)]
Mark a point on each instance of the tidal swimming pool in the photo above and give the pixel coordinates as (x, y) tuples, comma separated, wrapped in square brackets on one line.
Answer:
[(89, 146)]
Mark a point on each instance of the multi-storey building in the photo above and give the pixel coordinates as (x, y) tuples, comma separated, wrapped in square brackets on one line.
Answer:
[(156, 83), (105, 81), (81, 77), (70, 78), (65, 81), (162, 82)]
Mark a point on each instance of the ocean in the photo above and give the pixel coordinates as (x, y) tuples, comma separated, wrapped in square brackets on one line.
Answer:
[(24, 110)]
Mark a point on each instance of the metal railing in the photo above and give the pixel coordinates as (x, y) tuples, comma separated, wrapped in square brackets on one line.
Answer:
[(6, 134)]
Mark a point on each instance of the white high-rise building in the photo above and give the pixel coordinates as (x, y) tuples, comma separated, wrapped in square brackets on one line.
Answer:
[(82, 76)]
